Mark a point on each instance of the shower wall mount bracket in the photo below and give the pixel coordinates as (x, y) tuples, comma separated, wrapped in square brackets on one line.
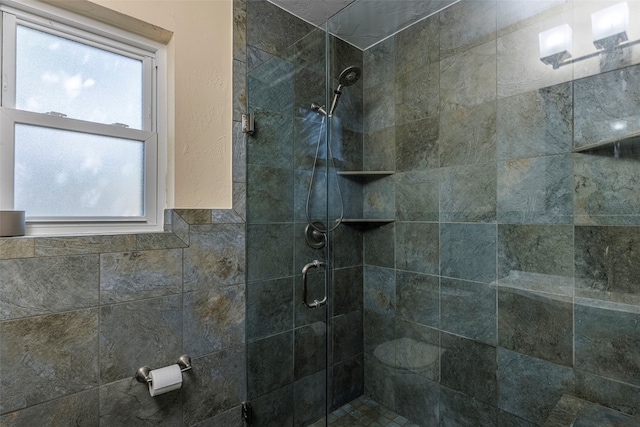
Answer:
[(248, 124)]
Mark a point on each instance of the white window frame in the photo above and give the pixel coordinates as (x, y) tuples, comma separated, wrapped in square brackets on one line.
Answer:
[(153, 133)]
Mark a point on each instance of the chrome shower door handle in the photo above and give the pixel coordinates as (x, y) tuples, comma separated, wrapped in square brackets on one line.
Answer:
[(305, 270)]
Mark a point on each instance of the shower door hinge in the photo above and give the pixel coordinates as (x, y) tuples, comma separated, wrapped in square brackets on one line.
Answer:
[(247, 412), (248, 124)]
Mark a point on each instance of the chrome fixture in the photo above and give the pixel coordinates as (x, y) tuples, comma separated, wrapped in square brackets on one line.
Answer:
[(608, 28), (142, 374), (305, 270), (348, 77)]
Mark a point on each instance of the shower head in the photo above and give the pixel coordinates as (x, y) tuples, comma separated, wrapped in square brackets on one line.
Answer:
[(348, 76)]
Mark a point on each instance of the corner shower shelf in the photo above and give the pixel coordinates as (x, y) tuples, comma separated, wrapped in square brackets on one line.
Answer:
[(608, 143)]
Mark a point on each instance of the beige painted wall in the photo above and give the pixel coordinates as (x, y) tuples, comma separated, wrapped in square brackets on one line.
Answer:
[(200, 95)]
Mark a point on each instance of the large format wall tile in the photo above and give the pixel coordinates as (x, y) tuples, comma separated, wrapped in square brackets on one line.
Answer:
[(34, 286), (607, 341), (468, 193), (215, 257), (415, 349), (418, 298), (269, 307), (466, 25), (79, 409), (530, 388), (607, 263), (309, 354), (270, 364), (458, 409), (134, 335), (347, 290), (536, 123), (604, 103), (468, 251), (417, 398), (137, 275), (417, 94), (417, 45), (379, 150), (468, 309), (78, 245), (417, 195), (539, 325), (417, 247), (272, 144), (536, 190), (380, 290), (270, 197), (347, 381), (613, 394), (379, 61), (46, 357), (606, 189), (17, 248), (310, 399), (417, 145), (379, 107), (347, 341)]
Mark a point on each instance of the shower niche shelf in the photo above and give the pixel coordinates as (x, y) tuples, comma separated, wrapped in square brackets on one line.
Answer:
[(367, 222), (625, 142), (365, 174)]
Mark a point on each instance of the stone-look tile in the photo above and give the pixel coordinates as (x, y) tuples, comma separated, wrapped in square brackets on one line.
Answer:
[(262, 18), (619, 396), (215, 256), (468, 193), (519, 67), (539, 325), (269, 308), (417, 247), (347, 290), (195, 216), (239, 153), (536, 190), (418, 45), (239, 93), (606, 189), (417, 94), (379, 62), (127, 403), (379, 244), (178, 226), (230, 418), (347, 247), (378, 330), (309, 399), (155, 241), (226, 216), (536, 257), (214, 319), (457, 409), (417, 195), (215, 384), (347, 336), (80, 409), (468, 135), (417, 398), (270, 364), (347, 381), (606, 340), (604, 101), (272, 144), (468, 251), (416, 349), (379, 381), (577, 412), (514, 15), (530, 387), (606, 263), (239, 197), (275, 408), (379, 150), (468, 78), (536, 123), (240, 30), (347, 149), (468, 309), (134, 335), (17, 248), (269, 251), (380, 290), (269, 194), (417, 145), (379, 199), (310, 345), (506, 419), (270, 91), (309, 86), (469, 367), (78, 245), (465, 25), (256, 57), (379, 107), (33, 286), (47, 357), (418, 298), (143, 274)]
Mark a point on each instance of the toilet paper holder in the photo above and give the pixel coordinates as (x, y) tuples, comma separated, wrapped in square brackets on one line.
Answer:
[(142, 374)]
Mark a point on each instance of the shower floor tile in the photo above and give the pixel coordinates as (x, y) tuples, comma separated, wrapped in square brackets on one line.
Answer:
[(364, 411)]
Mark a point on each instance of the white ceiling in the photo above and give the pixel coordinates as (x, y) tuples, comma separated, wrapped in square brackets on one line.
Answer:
[(316, 12)]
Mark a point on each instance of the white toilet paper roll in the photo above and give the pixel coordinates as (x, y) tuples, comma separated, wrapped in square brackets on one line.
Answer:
[(165, 379)]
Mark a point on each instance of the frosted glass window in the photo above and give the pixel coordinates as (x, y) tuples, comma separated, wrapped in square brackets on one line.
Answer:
[(84, 82), (65, 173)]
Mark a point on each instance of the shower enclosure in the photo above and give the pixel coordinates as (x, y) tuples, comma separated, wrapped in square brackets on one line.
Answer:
[(442, 214)]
